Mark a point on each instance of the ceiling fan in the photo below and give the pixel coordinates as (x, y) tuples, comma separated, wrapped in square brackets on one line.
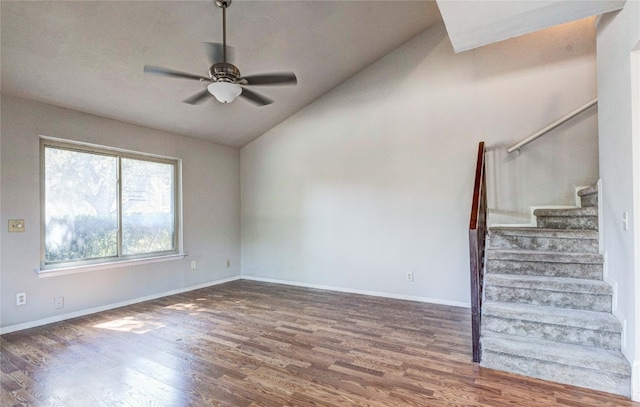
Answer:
[(225, 81)]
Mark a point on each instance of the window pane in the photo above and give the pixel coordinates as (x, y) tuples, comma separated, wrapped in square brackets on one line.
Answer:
[(81, 219), (147, 206)]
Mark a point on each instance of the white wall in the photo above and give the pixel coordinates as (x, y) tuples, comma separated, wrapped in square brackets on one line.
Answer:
[(472, 23), (374, 180), (618, 34), (211, 195)]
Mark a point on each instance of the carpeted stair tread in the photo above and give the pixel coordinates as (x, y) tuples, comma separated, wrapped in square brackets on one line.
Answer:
[(560, 284), (542, 233), (585, 218), (588, 191), (544, 263), (582, 357), (544, 256), (586, 211), (575, 240), (592, 320), (546, 309), (589, 196)]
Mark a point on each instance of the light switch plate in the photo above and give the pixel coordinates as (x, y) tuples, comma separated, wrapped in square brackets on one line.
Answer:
[(16, 225)]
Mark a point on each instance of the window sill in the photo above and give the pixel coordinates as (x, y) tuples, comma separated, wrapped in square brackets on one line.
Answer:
[(63, 271)]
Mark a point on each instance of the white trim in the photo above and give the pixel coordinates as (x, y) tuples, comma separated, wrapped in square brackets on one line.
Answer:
[(635, 216), (64, 141), (62, 317), (600, 217), (58, 318), (63, 271), (361, 292), (50, 270), (635, 381), (534, 219)]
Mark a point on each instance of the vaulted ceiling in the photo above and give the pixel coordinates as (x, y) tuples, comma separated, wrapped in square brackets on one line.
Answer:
[(89, 56)]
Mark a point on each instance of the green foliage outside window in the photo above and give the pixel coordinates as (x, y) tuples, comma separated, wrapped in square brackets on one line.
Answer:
[(91, 195)]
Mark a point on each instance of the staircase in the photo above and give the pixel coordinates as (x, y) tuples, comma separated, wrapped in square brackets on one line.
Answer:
[(546, 310)]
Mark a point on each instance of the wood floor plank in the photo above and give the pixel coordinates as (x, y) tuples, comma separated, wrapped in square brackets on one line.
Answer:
[(250, 344)]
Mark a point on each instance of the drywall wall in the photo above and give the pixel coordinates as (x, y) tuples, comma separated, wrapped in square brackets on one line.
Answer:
[(618, 34), (374, 180), (471, 24), (211, 215)]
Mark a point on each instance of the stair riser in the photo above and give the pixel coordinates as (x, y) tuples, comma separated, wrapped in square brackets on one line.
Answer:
[(536, 268), (551, 244), (589, 200), (558, 333), (572, 300), (597, 380), (552, 270), (568, 222)]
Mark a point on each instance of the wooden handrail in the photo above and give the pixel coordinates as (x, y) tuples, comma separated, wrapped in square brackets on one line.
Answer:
[(477, 236)]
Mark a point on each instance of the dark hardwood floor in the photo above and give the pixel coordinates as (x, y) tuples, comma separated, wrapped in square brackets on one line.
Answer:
[(255, 344)]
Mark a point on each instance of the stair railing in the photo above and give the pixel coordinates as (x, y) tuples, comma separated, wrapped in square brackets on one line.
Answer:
[(552, 126), (477, 237)]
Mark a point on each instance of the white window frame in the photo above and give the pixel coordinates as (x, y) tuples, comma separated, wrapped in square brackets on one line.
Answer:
[(80, 265)]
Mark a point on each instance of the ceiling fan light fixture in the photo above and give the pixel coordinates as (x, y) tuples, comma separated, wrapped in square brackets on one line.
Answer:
[(224, 92), (224, 80)]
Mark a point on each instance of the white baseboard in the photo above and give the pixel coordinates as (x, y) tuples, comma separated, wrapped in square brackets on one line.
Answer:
[(75, 314), (533, 218), (62, 317), (362, 292), (635, 380)]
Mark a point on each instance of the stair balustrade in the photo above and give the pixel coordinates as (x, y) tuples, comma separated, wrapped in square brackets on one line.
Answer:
[(477, 237)]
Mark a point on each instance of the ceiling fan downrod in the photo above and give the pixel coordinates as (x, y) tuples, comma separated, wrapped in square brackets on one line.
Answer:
[(223, 4), (225, 71)]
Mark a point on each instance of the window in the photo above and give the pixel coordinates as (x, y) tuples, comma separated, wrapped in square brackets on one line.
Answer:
[(101, 205)]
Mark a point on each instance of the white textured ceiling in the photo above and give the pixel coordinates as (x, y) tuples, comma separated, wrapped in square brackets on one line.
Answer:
[(89, 56)]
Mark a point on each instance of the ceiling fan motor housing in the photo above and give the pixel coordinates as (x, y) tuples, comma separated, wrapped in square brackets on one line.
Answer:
[(224, 72)]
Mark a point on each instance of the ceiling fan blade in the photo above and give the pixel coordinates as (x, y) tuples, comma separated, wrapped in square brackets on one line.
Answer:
[(276, 78), (255, 97), (156, 70), (198, 97), (215, 52)]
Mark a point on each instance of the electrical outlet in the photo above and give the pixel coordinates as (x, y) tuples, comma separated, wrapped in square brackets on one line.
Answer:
[(58, 302), (194, 265), (228, 263), (16, 225), (409, 276), (21, 299)]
